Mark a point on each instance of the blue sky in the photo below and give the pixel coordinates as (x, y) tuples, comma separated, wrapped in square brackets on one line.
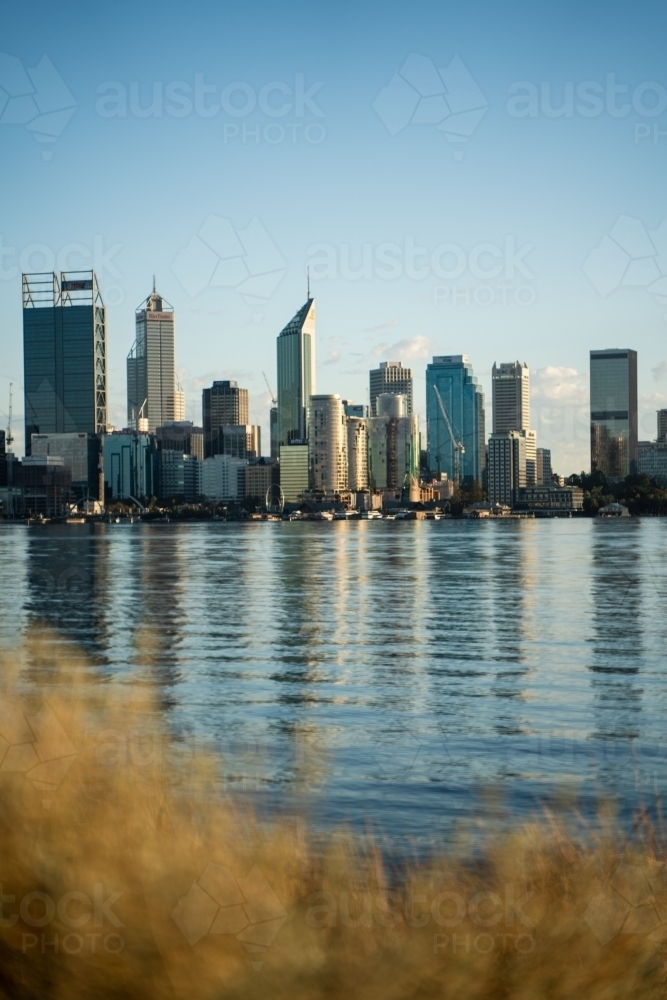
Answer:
[(304, 150)]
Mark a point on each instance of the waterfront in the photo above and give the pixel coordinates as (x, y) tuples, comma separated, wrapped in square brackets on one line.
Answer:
[(391, 673)]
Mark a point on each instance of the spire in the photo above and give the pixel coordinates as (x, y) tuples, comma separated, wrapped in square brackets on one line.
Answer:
[(153, 284)]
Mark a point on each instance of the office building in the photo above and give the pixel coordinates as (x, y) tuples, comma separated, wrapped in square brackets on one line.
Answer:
[(294, 471), (223, 405), (183, 436), (242, 441), (393, 446), (461, 396), (613, 381), (543, 466), (80, 454), (392, 377), (44, 487), (177, 475), (662, 425), (357, 453), (273, 432), (64, 355), (259, 479), (153, 396), (222, 479), (296, 374), (510, 384), (327, 443), (355, 409), (129, 465), (652, 460), (550, 497), (507, 467)]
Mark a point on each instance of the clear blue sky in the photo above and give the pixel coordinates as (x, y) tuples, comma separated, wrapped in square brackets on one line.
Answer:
[(327, 170)]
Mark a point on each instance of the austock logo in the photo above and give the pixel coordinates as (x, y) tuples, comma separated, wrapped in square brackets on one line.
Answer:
[(630, 256), (36, 98), (35, 745)]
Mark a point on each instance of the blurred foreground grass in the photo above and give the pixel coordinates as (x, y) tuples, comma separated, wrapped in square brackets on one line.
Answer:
[(125, 874)]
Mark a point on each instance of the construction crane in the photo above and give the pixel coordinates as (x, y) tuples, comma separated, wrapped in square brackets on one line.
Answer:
[(9, 437), (456, 444), (271, 393)]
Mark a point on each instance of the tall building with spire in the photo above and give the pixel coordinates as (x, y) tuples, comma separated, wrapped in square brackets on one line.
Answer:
[(154, 397), (296, 374)]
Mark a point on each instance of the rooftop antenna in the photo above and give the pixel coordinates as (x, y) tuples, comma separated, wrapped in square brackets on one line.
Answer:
[(153, 284)]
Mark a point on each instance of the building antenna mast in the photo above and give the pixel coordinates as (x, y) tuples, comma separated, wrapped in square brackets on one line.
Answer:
[(153, 284)]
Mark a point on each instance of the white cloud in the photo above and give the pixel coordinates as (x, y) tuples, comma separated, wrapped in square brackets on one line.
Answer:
[(411, 349), (660, 371), (559, 386), (381, 326)]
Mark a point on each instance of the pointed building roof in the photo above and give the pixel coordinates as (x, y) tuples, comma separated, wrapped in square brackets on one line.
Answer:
[(295, 325)]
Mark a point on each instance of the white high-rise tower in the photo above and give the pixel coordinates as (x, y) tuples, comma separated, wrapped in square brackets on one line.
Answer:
[(154, 397)]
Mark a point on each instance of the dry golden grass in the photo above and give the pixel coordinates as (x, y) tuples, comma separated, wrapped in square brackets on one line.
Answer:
[(268, 910)]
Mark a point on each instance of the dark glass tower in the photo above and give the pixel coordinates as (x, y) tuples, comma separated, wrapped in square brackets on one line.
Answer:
[(64, 354)]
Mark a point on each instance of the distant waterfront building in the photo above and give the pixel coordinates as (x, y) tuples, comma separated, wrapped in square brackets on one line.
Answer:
[(507, 467), (463, 400), (294, 471), (80, 454), (64, 355), (221, 479), (177, 475), (223, 405), (154, 397), (44, 486), (129, 464), (511, 397), (652, 460), (543, 466), (393, 446), (327, 444), (296, 374), (183, 436), (391, 376), (258, 478), (550, 498), (613, 382), (3, 461), (240, 441), (357, 453)]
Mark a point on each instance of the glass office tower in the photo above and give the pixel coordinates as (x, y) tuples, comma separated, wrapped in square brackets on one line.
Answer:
[(614, 412), (296, 374), (463, 400), (64, 354)]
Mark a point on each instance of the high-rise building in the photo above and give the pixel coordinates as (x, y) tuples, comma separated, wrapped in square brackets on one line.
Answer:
[(80, 454), (614, 412), (177, 475), (393, 445), (462, 397), (273, 430), (652, 460), (391, 376), (357, 453), (223, 405), (64, 355), (183, 436), (662, 425), (296, 374), (543, 466), (153, 395), (294, 471), (511, 397), (507, 467), (129, 464), (327, 444), (240, 441), (222, 478)]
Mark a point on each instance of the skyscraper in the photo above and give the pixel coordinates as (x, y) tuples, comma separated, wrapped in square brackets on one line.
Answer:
[(507, 467), (152, 391), (357, 453), (391, 376), (614, 412), (296, 374), (393, 445), (327, 444), (64, 354), (511, 397), (223, 405), (543, 466), (463, 401)]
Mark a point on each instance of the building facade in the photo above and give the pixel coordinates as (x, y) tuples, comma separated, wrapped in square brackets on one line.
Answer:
[(294, 471), (129, 465), (240, 441), (510, 384), (183, 436), (80, 454), (357, 453), (177, 475), (296, 374), (391, 376), (662, 425), (652, 460), (64, 355), (223, 405), (543, 469), (222, 479), (613, 382), (393, 446), (551, 498), (507, 467), (154, 397), (463, 399), (327, 444)]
